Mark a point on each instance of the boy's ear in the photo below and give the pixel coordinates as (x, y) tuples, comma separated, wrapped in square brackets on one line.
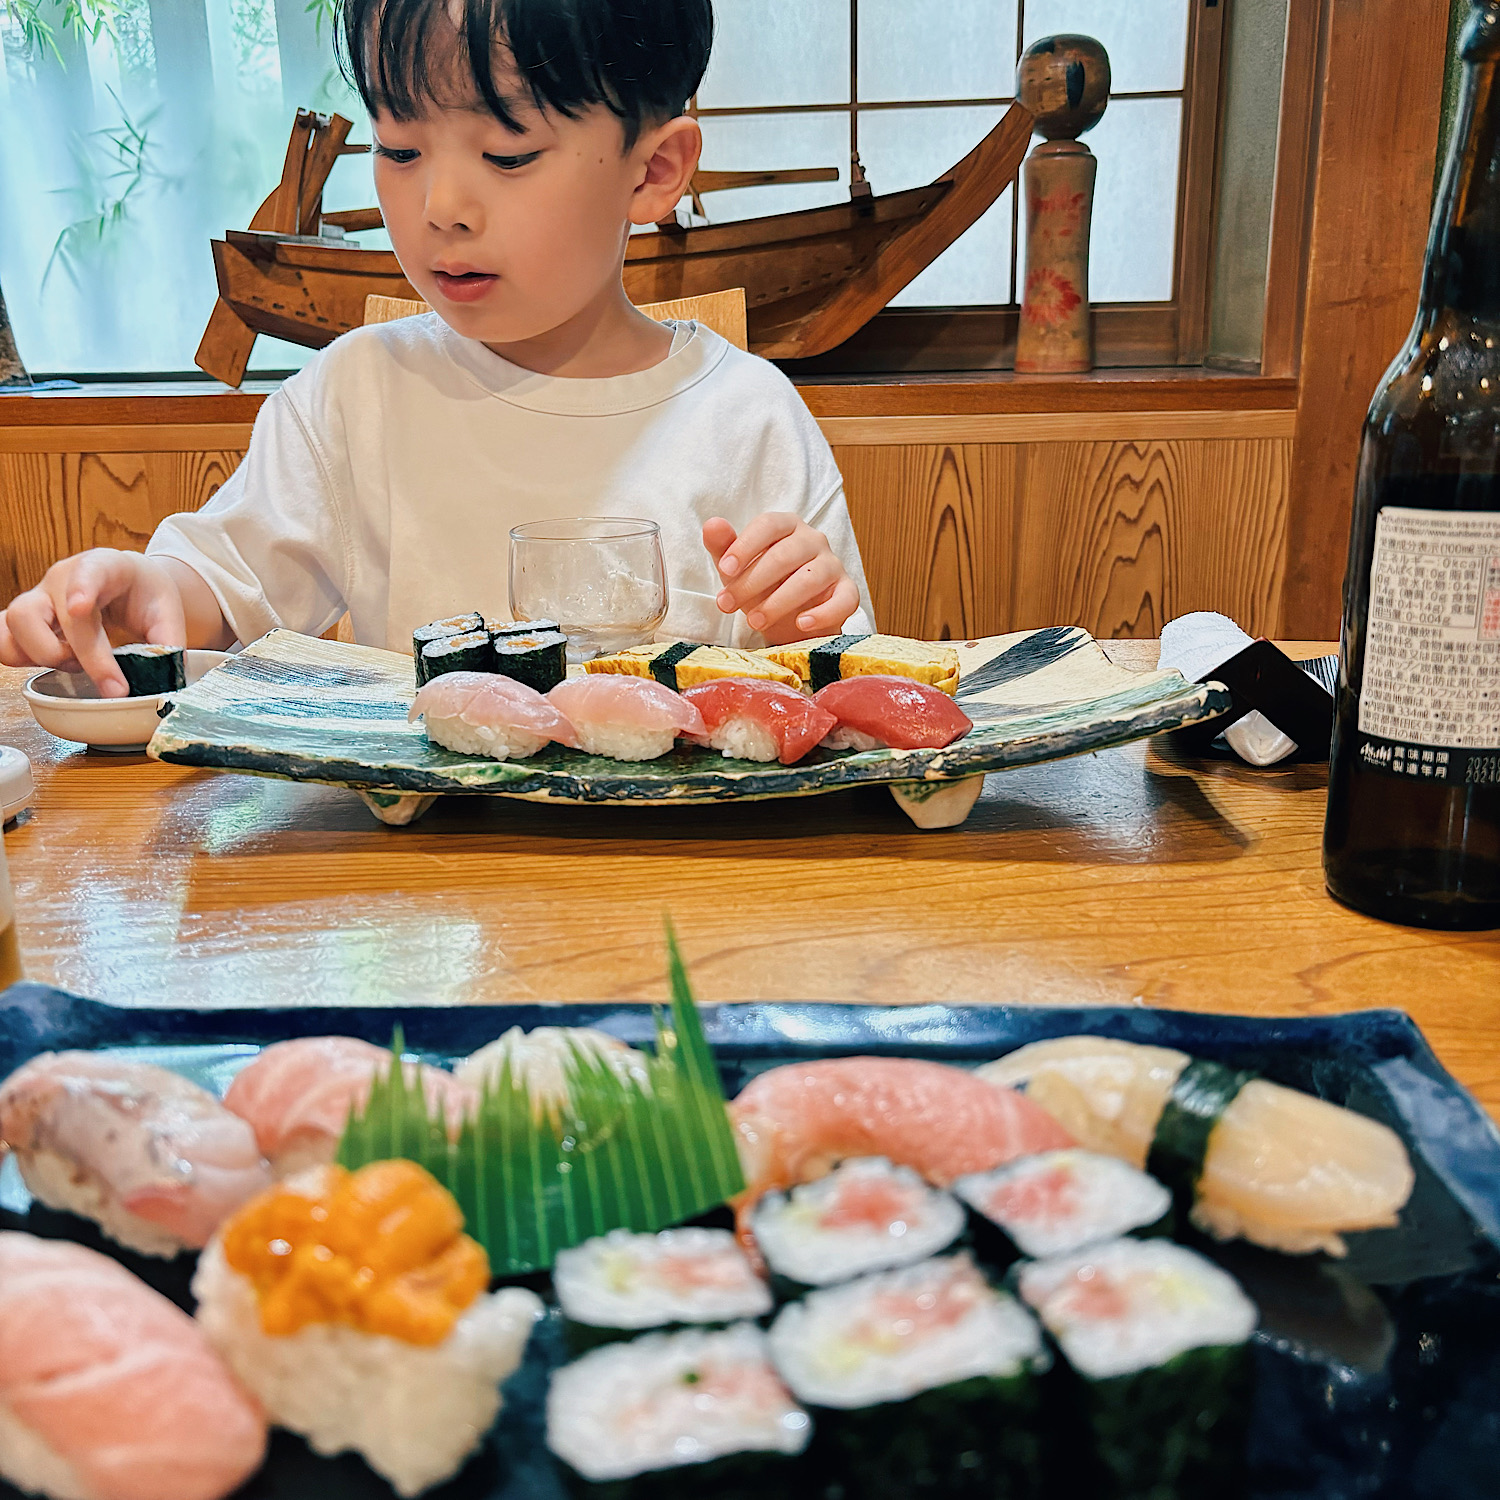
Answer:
[(670, 153)]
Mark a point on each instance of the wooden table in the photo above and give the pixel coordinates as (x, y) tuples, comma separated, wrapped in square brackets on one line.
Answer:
[(1131, 877)]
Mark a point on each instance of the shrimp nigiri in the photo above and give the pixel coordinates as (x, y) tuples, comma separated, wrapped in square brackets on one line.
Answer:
[(153, 1159), (297, 1095), (108, 1391), (795, 1123), (1282, 1168)]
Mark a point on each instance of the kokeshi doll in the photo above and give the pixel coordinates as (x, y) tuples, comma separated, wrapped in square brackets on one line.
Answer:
[(1064, 81)]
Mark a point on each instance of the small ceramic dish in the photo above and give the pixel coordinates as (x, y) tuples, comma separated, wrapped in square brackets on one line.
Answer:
[(68, 705)]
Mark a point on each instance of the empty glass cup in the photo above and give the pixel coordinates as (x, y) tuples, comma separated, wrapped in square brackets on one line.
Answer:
[(603, 579)]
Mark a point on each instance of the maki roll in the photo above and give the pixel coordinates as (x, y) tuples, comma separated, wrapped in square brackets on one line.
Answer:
[(445, 630), (622, 1283), (150, 670), (921, 1381), (865, 1215), (1059, 1202), (680, 665), (354, 1308), (538, 658), (693, 1414), (522, 627), (1155, 1338), (455, 653)]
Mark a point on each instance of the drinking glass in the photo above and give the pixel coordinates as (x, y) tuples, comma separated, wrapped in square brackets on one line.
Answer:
[(603, 579)]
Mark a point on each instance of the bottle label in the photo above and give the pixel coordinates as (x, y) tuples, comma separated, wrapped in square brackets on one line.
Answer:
[(1430, 701)]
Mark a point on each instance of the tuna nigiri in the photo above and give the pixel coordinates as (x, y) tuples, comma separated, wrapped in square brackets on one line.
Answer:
[(625, 718), (1282, 1168), (297, 1095), (795, 1123), (108, 1391), (750, 719), (880, 713), (483, 713), (155, 1160)]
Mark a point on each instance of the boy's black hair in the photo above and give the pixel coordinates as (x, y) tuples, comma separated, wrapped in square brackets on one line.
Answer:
[(641, 59)]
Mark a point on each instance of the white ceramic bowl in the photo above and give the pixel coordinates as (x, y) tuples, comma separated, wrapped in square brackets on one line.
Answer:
[(68, 705)]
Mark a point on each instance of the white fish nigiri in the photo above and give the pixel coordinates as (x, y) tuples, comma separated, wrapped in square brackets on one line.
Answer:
[(1283, 1169), (297, 1096), (625, 718), (108, 1391), (153, 1159), (484, 713)]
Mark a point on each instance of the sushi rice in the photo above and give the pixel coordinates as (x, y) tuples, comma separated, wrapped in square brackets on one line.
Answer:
[(866, 1215), (413, 1413)]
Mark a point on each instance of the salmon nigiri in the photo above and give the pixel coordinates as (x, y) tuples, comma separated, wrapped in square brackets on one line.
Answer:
[(108, 1391), (890, 713), (794, 1123), (153, 1159), (297, 1095), (1282, 1168), (751, 719)]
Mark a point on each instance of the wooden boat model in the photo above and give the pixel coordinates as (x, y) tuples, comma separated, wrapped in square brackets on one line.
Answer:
[(811, 278)]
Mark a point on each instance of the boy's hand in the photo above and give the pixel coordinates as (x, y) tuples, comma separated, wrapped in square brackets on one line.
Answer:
[(783, 575), (64, 621)]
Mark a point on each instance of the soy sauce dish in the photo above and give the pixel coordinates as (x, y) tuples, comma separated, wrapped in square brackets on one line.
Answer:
[(68, 705)]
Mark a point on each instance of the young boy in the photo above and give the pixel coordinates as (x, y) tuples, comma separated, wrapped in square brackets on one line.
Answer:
[(516, 142)]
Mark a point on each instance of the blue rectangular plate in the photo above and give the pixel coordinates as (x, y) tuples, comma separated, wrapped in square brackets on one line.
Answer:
[(1377, 1394)]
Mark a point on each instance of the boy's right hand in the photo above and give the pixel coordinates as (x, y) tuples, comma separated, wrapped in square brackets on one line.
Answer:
[(64, 621)]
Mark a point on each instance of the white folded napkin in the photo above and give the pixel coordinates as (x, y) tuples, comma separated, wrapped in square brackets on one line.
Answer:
[(1197, 643)]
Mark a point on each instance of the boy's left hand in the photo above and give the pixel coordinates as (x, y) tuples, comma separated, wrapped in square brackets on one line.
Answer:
[(783, 575)]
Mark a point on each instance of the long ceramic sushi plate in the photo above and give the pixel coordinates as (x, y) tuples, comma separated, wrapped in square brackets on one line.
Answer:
[(306, 709), (1377, 1377)]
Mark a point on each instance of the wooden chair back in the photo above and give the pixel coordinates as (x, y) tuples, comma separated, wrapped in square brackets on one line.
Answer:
[(724, 312)]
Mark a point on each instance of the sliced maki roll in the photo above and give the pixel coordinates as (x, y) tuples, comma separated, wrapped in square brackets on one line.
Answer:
[(1155, 1337), (457, 653), (540, 659), (444, 630), (1060, 1201), (866, 1215), (522, 627), (920, 1381), (150, 670), (691, 1414), (623, 1283)]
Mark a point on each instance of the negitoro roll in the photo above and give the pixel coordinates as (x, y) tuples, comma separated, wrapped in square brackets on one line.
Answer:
[(921, 1381), (1156, 1338), (820, 662), (539, 659), (624, 1283), (866, 1215), (696, 1414), (457, 653), (1061, 1201), (443, 630), (151, 669), (683, 664)]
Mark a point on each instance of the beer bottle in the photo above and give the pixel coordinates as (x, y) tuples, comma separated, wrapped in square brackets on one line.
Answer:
[(10, 949), (1413, 828)]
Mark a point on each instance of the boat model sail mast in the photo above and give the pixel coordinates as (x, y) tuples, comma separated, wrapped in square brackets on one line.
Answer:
[(812, 277)]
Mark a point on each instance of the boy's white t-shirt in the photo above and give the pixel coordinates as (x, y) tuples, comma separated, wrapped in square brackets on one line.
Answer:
[(385, 477)]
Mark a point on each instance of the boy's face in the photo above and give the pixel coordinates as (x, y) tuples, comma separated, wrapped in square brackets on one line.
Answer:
[(510, 236)]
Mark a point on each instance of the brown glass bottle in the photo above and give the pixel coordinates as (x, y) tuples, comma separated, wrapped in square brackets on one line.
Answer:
[(1413, 830)]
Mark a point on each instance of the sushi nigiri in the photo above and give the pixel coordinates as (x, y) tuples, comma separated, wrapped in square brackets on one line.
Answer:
[(539, 1060), (484, 713), (1282, 1168), (108, 1391), (750, 719), (157, 1162), (625, 718), (890, 713), (355, 1308), (297, 1096), (794, 1123)]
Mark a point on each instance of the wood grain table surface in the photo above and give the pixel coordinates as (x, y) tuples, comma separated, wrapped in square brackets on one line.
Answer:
[(1136, 876)]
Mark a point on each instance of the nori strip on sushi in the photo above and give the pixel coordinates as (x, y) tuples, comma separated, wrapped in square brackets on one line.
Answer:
[(458, 653), (825, 663), (664, 663), (443, 630), (980, 1437), (736, 1476), (151, 669), (539, 660), (1203, 1091)]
